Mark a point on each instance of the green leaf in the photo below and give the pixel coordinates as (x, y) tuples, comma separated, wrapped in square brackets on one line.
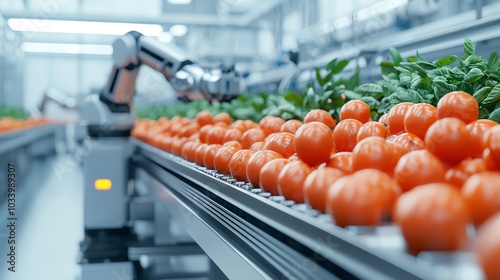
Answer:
[(341, 65), (331, 64), (402, 70), (412, 59), (472, 60), (352, 95), (413, 66), (495, 115), (493, 96), (438, 72), (419, 57), (370, 101), (473, 75), (387, 67), (320, 80), (443, 84), (481, 94), (370, 88), (353, 81), (396, 56), (293, 98), (416, 82), (426, 65), (468, 48), (493, 61), (405, 78), (445, 61), (483, 113)]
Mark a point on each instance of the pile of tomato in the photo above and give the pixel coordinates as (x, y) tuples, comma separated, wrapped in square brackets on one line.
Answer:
[(431, 170), (8, 124)]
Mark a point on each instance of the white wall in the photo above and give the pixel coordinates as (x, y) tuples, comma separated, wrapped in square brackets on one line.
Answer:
[(71, 74), (332, 9)]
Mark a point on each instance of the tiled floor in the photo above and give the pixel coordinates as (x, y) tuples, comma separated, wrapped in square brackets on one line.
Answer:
[(49, 225)]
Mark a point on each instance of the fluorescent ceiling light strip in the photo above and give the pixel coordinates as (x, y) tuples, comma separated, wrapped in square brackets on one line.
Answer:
[(179, 2), (178, 30), (82, 27), (32, 47)]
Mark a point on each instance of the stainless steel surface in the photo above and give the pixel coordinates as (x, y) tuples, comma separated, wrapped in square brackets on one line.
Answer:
[(364, 252), (141, 208), (49, 222), (117, 270), (12, 140), (107, 158)]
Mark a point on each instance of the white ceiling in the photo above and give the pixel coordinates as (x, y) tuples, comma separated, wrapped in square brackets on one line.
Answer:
[(203, 12)]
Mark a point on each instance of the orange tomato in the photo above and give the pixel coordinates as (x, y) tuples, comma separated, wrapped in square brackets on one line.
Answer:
[(204, 130), (372, 128), (317, 184), (341, 161), (481, 192), (233, 143), (177, 146), (232, 134), (291, 126), (251, 136), (476, 131), (256, 162), (397, 116), (362, 198), (189, 129), (239, 124), (257, 146), (238, 164), (345, 134), (291, 180), (204, 118), (384, 119), (313, 143), (216, 135), (268, 175), (448, 139), (209, 156), (419, 118), (222, 117), (487, 247), (492, 142), (200, 154), (457, 175), (188, 151), (319, 115), (418, 168), (458, 104), (489, 162), (355, 109), (223, 157), (409, 142), (432, 217), (373, 152), (281, 143), (270, 124)]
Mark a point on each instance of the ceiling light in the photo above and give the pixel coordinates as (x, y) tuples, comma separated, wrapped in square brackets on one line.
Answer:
[(179, 2), (82, 27), (32, 47), (178, 30), (379, 8), (165, 37)]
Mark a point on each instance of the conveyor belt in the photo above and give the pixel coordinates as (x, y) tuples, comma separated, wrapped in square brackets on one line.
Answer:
[(277, 238), (12, 140)]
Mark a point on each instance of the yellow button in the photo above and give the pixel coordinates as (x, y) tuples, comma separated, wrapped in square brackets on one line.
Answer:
[(102, 184)]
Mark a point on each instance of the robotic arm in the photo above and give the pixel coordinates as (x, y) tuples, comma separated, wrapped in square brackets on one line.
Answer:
[(112, 109), (188, 79)]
